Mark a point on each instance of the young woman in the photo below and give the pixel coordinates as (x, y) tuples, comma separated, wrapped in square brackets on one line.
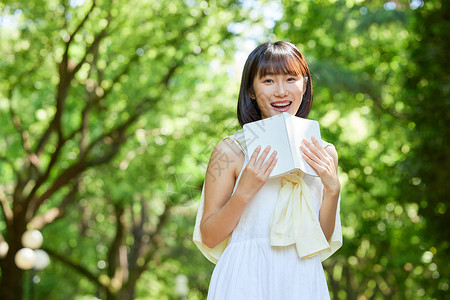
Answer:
[(269, 236)]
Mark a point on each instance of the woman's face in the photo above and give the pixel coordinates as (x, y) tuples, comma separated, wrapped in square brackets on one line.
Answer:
[(275, 94)]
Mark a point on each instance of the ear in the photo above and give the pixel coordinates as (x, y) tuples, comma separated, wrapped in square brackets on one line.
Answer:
[(251, 93)]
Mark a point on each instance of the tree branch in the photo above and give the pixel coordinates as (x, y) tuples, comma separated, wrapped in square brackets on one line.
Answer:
[(64, 178), (98, 38), (24, 134), (38, 222), (80, 25), (95, 99), (116, 78), (65, 60), (75, 266), (66, 75), (18, 125), (6, 210), (85, 113), (65, 78), (42, 178), (117, 135)]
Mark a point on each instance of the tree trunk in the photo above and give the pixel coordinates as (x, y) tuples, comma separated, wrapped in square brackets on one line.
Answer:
[(12, 277), (333, 283), (11, 281), (127, 293)]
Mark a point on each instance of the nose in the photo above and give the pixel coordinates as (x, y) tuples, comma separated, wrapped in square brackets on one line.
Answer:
[(281, 90)]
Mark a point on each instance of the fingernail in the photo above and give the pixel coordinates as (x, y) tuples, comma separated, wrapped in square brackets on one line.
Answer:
[(259, 147)]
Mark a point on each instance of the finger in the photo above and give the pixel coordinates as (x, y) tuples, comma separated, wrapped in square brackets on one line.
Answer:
[(314, 148), (252, 159), (319, 146), (269, 161), (262, 157), (322, 168), (312, 163), (312, 156), (324, 156), (271, 166)]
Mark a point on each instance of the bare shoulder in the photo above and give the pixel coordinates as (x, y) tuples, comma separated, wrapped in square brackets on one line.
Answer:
[(226, 156), (331, 150), (223, 169)]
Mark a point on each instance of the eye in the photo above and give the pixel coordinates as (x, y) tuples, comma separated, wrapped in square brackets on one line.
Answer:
[(292, 79), (268, 80)]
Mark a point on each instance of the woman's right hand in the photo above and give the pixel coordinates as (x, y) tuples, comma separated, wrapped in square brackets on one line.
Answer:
[(256, 173)]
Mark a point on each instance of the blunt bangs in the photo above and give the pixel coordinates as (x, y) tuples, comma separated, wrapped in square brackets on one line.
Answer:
[(280, 62)]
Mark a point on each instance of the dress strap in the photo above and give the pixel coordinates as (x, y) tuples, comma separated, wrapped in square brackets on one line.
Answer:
[(326, 144), (239, 138)]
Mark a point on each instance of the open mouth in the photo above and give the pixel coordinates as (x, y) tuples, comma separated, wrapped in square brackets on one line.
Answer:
[(281, 105)]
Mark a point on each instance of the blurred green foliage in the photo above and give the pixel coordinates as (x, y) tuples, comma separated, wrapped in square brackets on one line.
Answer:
[(135, 97), (370, 60)]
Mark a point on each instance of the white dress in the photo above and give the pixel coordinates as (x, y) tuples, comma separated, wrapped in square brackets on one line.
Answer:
[(250, 268)]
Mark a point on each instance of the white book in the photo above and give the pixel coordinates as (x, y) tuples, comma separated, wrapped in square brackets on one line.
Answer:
[(284, 133)]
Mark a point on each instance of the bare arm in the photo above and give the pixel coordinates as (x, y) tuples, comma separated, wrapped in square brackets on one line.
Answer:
[(325, 162), (222, 211)]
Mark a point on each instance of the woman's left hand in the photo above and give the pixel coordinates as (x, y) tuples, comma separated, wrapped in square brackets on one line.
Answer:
[(323, 163)]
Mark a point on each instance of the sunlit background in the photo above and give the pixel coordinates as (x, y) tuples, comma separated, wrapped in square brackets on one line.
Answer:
[(109, 111)]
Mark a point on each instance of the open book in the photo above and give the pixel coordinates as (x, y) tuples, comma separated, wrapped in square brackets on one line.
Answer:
[(284, 133)]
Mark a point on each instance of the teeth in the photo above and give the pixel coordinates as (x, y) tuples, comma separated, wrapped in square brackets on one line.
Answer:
[(280, 104)]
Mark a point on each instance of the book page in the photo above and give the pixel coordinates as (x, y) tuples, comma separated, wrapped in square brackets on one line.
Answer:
[(295, 151), (300, 129), (271, 131)]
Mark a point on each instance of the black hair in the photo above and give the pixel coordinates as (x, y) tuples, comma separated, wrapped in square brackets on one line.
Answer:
[(272, 58)]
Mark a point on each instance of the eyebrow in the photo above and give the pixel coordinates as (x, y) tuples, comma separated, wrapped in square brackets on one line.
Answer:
[(273, 73)]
